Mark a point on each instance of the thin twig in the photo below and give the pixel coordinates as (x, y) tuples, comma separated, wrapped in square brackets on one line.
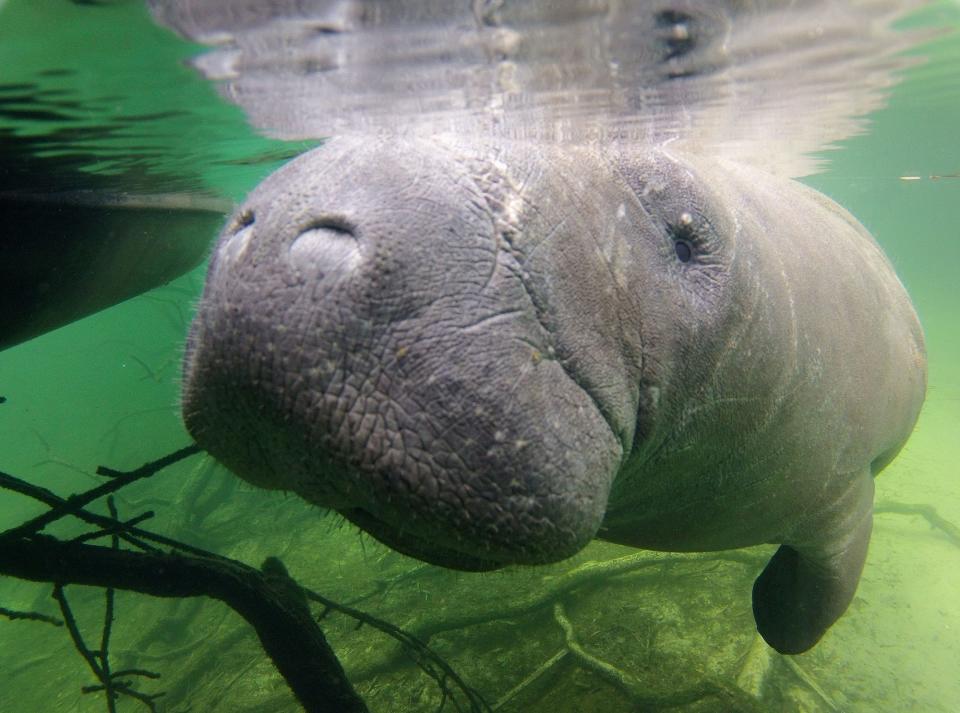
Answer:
[(136, 672), (125, 530), (78, 642), (645, 696), (148, 469), (428, 661), (30, 615), (530, 679), (119, 479), (104, 652), (117, 529), (810, 682)]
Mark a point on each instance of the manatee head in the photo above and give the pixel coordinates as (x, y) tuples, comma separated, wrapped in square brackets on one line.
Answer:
[(447, 352)]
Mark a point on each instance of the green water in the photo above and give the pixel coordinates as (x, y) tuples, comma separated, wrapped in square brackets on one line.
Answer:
[(105, 391)]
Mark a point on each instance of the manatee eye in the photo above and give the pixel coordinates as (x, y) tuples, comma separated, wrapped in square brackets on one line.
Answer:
[(675, 33), (684, 234)]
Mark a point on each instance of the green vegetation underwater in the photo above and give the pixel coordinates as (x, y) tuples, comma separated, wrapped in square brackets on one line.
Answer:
[(94, 94)]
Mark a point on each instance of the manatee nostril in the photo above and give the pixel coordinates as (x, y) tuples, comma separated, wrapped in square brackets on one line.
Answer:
[(325, 245), (244, 220), (334, 224), (237, 237)]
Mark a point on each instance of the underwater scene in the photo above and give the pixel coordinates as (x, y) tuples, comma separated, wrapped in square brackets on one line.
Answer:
[(138, 573)]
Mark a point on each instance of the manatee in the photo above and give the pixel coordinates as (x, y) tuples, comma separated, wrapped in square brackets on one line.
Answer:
[(579, 294), (96, 206), (66, 255)]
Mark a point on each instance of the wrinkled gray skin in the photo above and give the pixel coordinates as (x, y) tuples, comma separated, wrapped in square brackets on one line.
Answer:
[(491, 354)]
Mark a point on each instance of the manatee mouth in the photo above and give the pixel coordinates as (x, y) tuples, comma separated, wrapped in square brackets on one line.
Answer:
[(415, 546)]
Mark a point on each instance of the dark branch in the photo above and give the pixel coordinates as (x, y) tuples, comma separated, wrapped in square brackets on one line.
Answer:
[(31, 615), (104, 653), (79, 643), (75, 503), (269, 601), (136, 672), (275, 605), (148, 469), (126, 531)]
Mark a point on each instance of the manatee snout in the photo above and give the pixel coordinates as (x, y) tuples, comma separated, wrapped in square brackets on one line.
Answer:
[(367, 340)]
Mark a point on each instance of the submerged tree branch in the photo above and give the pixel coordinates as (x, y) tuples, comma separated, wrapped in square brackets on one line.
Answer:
[(641, 695), (268, 600), (13, 615), (75, 503), (928, 512), (428, 661)]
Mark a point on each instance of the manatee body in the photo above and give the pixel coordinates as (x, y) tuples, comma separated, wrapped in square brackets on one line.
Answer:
[(486, 352), (64, 256)]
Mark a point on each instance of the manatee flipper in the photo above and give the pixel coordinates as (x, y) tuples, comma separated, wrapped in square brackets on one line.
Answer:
[(808, 584)]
